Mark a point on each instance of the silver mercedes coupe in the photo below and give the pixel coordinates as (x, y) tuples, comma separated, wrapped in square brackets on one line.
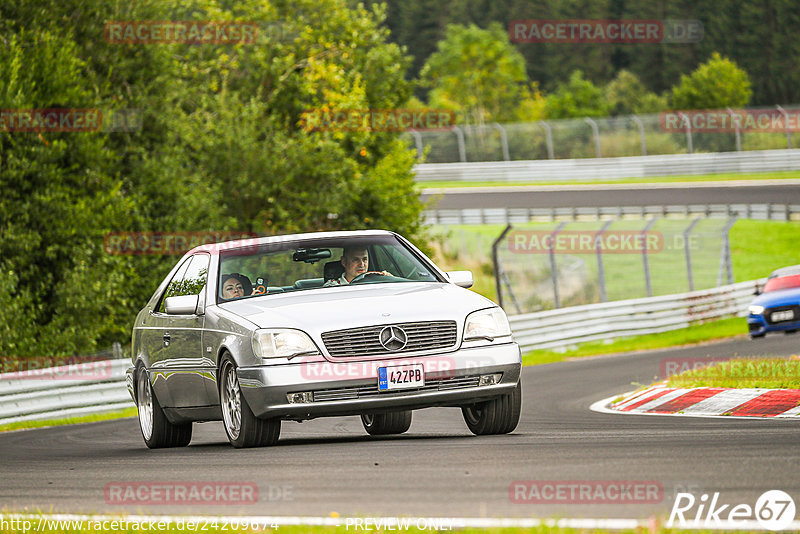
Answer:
[(295, 327)]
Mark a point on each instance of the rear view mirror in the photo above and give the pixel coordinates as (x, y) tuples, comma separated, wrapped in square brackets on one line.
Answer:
[(311, 255), (183, 305), (461, 278)]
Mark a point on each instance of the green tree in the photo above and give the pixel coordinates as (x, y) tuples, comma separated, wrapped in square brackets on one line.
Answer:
[(477, 73), (627, 95), (576, 98), (716, 84)]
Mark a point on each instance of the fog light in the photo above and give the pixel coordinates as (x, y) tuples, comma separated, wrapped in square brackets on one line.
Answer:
[(300, 398), (490, 380)]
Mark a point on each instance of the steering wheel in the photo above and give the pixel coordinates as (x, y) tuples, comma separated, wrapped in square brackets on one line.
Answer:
[(363, 276)]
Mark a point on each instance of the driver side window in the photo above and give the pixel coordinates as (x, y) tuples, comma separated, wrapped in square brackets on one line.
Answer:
[(189, 280)]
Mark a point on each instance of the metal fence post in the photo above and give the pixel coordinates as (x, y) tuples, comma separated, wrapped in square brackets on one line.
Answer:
[(685, 117), (554, 266), (462, 150), (418, 141), (640, 124), (645, 261), (688, 252), (548, 135), (786, 126), (596, 132), (601, 273), (725, 263), (497, 266), (503, 140)]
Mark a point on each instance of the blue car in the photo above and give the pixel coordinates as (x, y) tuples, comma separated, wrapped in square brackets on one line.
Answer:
[(777, 306)]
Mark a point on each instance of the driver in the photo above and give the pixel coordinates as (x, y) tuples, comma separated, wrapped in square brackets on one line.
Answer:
[(355, 261)]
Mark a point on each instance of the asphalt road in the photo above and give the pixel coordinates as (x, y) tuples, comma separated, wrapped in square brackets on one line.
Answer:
[(438, 468), (744, 192)]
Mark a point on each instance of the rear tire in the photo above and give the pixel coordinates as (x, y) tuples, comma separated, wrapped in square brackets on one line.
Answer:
[(382, 424), (157, 431), (243, 428), (497, 416), (756, 336)]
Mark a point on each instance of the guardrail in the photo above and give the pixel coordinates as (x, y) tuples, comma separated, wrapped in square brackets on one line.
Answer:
[(610, 168), (608, 320), (65, 391), (31, 395), (762, 212)]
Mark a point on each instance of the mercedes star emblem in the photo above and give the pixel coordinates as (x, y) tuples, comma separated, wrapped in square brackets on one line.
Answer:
[(393, 338)]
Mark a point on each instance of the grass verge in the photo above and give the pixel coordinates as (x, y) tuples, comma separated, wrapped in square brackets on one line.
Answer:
[(722, 177), (93, 418), (722, 329), (771, 373)]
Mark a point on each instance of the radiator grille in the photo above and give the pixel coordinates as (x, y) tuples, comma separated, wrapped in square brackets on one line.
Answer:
[(365, 341)]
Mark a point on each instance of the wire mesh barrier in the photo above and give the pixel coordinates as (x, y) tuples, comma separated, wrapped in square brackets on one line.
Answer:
[(543, 266), (768, 128)]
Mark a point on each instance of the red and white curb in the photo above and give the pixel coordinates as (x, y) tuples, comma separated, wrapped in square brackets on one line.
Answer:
[(705, 402)]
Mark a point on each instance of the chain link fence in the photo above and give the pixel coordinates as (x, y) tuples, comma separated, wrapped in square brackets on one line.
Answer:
[(542, 266), (635, 135)]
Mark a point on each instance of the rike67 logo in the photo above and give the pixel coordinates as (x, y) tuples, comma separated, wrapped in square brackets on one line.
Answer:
[(774, 510)]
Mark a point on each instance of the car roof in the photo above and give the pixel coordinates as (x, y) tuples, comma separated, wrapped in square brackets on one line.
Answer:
[(785, 271), (256, 241)]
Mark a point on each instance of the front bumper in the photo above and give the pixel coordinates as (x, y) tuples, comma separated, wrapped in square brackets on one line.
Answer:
[(757, 325), (351, 387)]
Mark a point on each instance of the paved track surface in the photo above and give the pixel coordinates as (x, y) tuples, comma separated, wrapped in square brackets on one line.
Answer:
[(615, 195), (438, 468)]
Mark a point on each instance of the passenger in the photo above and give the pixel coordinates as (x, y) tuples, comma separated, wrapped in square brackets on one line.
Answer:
[(355, 261), (235, 286)]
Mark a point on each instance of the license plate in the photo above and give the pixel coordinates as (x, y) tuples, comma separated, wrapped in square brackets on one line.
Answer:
[(786, 315), (401, 377)]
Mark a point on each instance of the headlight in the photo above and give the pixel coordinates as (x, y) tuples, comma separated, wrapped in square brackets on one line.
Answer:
[(486, 324), (282, 343), (756, 309)]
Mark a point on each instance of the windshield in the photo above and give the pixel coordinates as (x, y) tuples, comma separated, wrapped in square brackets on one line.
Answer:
[(314, 264)]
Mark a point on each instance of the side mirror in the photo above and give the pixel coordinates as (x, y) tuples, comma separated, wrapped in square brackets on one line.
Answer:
[(460, 278), (183, 305)]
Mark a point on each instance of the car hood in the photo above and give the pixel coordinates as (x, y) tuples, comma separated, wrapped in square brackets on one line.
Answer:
[(781, 297), (335, 308)]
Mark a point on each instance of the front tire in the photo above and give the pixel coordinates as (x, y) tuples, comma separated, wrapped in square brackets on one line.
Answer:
[(243, 428), (497, 416), (382, 424), (157, 431)]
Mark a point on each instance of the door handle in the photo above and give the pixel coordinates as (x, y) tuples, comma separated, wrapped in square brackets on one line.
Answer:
[(167, 339)]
